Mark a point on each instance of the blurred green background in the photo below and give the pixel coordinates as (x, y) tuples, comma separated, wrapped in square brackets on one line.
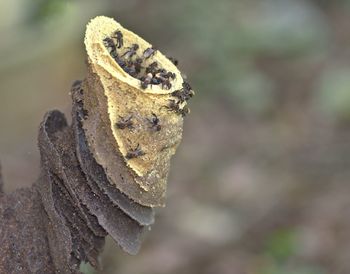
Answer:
[(261, 182)]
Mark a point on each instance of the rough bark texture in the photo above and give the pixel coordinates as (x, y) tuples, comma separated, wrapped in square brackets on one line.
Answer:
[(64, 217)]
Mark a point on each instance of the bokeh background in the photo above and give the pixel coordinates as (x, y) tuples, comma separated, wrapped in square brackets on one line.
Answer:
[(261, 182)]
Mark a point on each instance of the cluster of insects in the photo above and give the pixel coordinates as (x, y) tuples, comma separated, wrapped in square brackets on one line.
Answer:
[(181, 95), (127, 123), (132, 62), (134, 153)]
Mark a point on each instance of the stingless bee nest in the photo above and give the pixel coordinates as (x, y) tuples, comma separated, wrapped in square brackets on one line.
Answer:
[(141, 98)]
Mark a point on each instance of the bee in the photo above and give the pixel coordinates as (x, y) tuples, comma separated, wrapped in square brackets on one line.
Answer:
[(174, 61), (130, 68), (161, 72), (171, 75), (186, 85), (121, 63), (184, 111), (179, 95), (165, 74), (114, 54), (119, 36), (109, 44), (149, 52), (152, 68), (166, 84), (125, 123), (146, 80), (188, 93), (156, 81), (175, 107), (131, 51), (187, 90), (184, 94), (131, 71), (137, 65), (135, 153), (155, 123)]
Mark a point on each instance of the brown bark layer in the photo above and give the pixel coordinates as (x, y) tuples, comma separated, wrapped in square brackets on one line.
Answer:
[(63, 219)]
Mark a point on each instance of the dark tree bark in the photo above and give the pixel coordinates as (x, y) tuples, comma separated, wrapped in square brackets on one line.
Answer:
[(64, 217)]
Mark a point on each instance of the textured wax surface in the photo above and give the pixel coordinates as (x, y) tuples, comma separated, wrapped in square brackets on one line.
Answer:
[(109, 95)]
